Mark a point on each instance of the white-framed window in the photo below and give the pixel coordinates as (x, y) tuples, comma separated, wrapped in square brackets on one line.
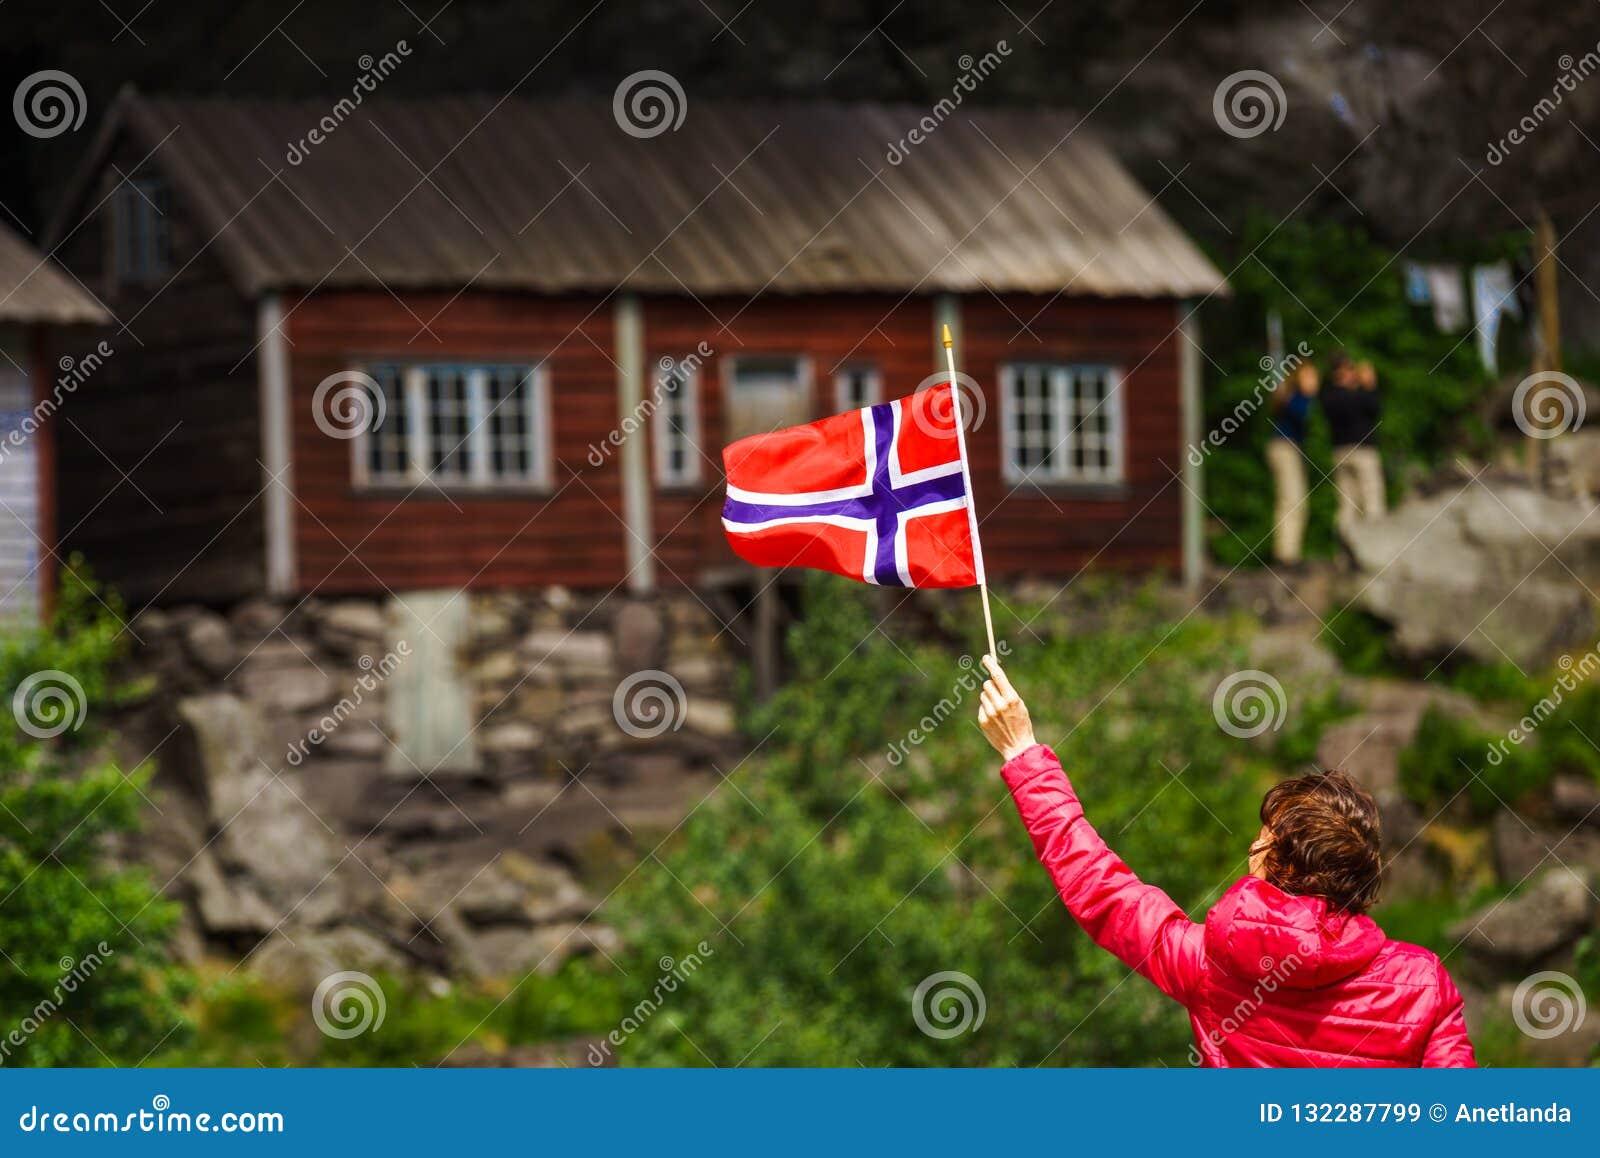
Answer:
[(856, 386), (1061, 423), (456, 425), (139, 230), (677, 424)]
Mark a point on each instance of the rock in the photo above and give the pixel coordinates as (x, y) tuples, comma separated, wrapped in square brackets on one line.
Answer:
[(1368, 745), (711, 717), (1486, 570), (351, 628), (640, 635), (1520, 930), (150, 625), (264, 829), (279, 676), (226, 911), (314, 955), (550, 893), (700, 671), (1521, 848), (1576, 799), (573, 654), (1565, 1024), (503, 952), (491, 898), (514, 737), (209, 644), (1294, 654), (255, 619), (498, 667)]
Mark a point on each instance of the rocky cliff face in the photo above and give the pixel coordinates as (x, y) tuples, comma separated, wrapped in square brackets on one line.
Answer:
[(295, 819)]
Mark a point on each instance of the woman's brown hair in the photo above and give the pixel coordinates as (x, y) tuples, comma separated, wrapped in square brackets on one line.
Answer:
[(1326, 840)]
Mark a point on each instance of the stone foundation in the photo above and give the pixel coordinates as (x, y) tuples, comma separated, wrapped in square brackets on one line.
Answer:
[(302, 831)]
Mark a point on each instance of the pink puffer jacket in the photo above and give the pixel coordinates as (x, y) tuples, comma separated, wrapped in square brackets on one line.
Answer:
[(1270, 979)]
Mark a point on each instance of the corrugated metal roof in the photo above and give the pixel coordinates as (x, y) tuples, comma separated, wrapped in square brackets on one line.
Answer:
[(555, 196), (33, 289)]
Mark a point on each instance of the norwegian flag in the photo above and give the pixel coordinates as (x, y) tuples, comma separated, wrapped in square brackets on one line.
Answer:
[(879, 494)]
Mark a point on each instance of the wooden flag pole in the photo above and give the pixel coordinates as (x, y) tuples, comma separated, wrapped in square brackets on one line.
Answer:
[(966, 479)]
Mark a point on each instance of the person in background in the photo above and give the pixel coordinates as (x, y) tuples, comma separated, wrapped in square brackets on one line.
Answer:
[(1354, 408), (1290, 408)]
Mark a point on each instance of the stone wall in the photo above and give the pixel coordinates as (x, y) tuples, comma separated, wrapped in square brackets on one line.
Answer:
[(303, 837)]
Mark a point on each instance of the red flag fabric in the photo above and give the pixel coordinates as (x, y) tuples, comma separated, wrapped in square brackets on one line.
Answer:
[(879, 494)]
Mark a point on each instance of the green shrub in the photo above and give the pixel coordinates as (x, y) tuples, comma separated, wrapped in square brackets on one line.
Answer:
[(831, 877), (1450, 757), (86, 978), (242, 1020)]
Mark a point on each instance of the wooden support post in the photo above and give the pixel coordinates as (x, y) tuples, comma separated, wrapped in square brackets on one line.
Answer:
[(1546, 291)]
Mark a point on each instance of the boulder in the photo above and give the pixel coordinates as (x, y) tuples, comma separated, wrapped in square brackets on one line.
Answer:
[(280, 676), (640, 634), (510, 738), (1521, 848), (314, 955), (351, 628), (1522, 929), (1576, 799), (1486, 570), (711, 717), (265, 831), (223, 909), (209, 644), (505, 952), (571, 654)]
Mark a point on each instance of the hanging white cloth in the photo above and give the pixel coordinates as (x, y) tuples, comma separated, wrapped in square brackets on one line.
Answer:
[(1493, 294)]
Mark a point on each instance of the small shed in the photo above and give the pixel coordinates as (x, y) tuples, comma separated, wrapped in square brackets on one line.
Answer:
[(36, 298)]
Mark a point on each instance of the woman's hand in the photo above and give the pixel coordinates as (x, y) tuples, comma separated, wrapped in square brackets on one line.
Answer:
[(1002, 715)]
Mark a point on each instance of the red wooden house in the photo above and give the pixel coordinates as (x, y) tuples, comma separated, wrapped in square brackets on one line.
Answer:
[(554, 325)]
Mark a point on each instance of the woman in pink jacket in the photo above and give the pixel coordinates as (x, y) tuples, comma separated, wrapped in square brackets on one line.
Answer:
[(1286, 970)]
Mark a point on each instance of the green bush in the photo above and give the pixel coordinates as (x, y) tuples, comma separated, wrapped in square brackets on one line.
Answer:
[(845, 862), (86, 979), (242, 1020)]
